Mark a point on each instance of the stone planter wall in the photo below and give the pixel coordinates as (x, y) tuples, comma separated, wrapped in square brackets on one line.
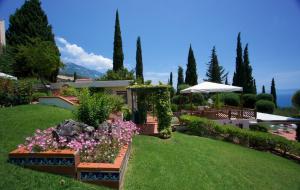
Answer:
[(108, 174), (59, 162), (67, 162)]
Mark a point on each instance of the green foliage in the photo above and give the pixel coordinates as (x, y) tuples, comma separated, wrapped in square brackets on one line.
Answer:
[(164, 113), (139, 62), (249, 100), (94, 109), (230, 99), (259, 127), (7, 60), (141, 115), (273, 92), (191, 77), (27, 23), (263, 91), (180, 79), (15, 92), (182, 87), (296, 100), (249, 85), (118, 55), (39, 59), (36, 95), (127, 113), (174, 107), (68, 91), (264, 96), (239, 74), (254, 139), (121, 74), (265, 106), (180, 99), (215, 72)]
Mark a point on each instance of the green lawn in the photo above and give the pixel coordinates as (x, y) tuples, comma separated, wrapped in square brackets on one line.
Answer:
[(183, 162)]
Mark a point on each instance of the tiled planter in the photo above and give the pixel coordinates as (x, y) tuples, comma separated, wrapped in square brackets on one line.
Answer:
[(62, 162), (107, 174)]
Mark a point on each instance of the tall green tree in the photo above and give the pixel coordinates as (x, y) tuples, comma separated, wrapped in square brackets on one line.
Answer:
[(180, 79), (254, 85), (171, 79), (191, 77), (118, 56), (139, 62), (238, 76), (248, 81), (27, 23), (263, 91), (172, 90), (273, 91), (215, 72)]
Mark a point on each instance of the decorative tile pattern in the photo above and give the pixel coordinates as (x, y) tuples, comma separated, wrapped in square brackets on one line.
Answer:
[(43, 161), (100, 176)]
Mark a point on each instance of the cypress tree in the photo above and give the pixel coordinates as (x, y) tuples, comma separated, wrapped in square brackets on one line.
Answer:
[(215, 72), (263, 91), (238, 76), (273, 91), (27, 23), (254, 86), (191, 77), (75, 76), (180, 79), (248, 83), (118, 55), (139, 61), (171, 79)]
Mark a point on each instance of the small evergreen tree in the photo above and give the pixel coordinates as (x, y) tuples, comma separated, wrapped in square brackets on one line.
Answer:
[(171, 79), (180, 79), (273, 92), (263, 91), (248, 83), (254, 86), (139, 62), (118, 55), (191, 77), (215, 72), (75, 76), (238, 76), (170, 82), (226, 81)]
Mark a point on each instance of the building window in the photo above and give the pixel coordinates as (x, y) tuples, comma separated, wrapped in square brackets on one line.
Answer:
[(123, 94)]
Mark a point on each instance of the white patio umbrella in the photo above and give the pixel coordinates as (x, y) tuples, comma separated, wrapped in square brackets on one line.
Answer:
[(208, 87), (3, 75)]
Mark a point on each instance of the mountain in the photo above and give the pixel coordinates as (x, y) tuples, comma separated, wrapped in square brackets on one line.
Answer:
[(70, 68)]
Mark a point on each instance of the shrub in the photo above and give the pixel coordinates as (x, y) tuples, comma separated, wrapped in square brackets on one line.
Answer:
[(296, 99), (231, 99), (259, 127), (68, 91), (180, 99), (198, 99), (174, 107), (36, 95), (265, 106), (127, 115), (263, 96), (249, 100), (164, 113), (116, 102), (254, 139)]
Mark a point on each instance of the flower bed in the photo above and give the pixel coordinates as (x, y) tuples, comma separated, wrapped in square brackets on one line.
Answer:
[(73, 146)]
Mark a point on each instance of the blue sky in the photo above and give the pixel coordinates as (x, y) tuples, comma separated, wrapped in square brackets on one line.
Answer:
[(84, 33)]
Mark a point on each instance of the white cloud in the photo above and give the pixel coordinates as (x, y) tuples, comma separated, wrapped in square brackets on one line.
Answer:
[(76, 54)]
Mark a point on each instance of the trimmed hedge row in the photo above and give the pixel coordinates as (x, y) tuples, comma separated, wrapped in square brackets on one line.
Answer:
[(254, 139)]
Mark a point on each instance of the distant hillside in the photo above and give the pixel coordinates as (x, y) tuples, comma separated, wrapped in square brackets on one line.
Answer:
[(70, 68)]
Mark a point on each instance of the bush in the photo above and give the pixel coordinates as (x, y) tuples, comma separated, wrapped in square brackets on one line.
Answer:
[(68, 91), (164, 113), (116, 102), (231, 99), (127, 115), (174, 107), (94, 109), (36, 95), (254, 139), (259, 127), (265, 106), (180, 99), (263, 96), (198, 99), (249, 100), (296, 99)]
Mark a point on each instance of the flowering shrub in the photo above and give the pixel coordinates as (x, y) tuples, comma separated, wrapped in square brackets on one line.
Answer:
[(102, 145)]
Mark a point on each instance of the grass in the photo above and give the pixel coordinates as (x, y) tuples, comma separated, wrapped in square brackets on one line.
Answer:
[(183, 162)]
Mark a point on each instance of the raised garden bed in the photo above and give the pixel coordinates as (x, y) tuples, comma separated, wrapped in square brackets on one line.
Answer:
[(59, 161)]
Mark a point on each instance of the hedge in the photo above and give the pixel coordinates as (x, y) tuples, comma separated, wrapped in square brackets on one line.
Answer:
[(265, 106), (230, 99), (259, 127), (249, 100), (252, 139), (264, 96)]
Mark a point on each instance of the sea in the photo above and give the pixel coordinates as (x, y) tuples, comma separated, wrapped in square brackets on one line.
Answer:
[(284, 97)]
